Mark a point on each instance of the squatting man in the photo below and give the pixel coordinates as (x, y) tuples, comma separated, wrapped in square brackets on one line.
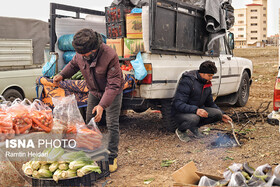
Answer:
[(193, 105)]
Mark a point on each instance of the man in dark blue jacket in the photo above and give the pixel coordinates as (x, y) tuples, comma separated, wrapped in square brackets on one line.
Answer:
[(193, 104)]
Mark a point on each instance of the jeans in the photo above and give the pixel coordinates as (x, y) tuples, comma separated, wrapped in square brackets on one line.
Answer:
[(188, 120), (112, 121)]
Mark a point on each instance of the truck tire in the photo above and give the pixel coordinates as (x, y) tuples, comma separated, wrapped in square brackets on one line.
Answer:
[(168, 121), (12, 94), (243, 91)]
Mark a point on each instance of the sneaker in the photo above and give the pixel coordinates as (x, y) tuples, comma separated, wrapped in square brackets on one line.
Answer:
[(113, 166), (196, 132), (182, 136)]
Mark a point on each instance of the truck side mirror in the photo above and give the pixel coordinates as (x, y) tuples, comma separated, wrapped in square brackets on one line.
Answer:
[(231, 40)]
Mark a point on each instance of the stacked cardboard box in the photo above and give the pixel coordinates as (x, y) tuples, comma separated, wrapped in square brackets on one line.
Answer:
[(133, 43), (126, 40)]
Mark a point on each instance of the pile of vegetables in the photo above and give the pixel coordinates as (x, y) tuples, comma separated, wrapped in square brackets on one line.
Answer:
[(77, 76), (20, 117), (90, 139), (66, 112), (246, 175), (59, 165), (126, 68)]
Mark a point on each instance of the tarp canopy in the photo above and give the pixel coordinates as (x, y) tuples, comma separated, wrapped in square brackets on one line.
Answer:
[(19, 28)]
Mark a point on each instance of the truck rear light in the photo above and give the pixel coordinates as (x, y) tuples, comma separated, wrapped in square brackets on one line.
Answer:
[(148, 79), (276, 98)]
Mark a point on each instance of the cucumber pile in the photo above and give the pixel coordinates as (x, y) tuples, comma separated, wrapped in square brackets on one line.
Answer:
[(77, 76)]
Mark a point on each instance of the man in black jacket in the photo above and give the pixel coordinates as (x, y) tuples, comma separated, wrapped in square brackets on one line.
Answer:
[(193, 104)]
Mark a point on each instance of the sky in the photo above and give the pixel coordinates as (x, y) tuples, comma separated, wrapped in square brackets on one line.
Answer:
[(39, 9)]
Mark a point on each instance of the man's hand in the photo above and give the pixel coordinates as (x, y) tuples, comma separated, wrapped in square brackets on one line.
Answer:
[(57, 79), (99, 111), (202, 113), (226, 118)]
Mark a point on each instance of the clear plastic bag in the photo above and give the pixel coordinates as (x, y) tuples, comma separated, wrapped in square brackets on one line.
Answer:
[(205, 181), (277, 171), (6, 126), (66, 113), (19, 111), (41, 116), (259, 176), (232, 169), (237, 179), (90, 137)]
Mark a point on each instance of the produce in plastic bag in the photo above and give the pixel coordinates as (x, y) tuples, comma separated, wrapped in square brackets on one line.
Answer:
[(237, 179), (262, 174), (205, 181), (232, 169), (19, 112), (66, 113), (275, 179), (68, 56), (89, 138), (41, 116), (6, 126), (65, 42)]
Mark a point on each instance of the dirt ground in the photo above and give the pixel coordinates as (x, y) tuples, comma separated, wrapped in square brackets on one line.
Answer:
[(144, 143)]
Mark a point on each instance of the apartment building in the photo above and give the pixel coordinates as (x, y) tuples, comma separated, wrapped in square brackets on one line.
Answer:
[(240, 27), (250, 28)]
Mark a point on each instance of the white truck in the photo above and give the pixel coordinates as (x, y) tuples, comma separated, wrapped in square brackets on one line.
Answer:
[(22, 44), (230, 85)]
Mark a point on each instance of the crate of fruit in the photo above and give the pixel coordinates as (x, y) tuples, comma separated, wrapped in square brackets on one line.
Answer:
[(116, 13), (116, 30)]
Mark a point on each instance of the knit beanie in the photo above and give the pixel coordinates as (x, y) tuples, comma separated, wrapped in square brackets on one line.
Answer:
[(207, 67), (86, 40)]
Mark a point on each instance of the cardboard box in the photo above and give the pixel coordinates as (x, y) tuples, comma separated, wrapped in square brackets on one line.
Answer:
[(117, 45), (132, 47), (188, 175), (134, 25)]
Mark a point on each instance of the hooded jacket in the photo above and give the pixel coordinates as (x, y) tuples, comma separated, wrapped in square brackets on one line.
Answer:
[(193, 92)]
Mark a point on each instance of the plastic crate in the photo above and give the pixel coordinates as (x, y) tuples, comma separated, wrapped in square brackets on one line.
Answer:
[(116, 30), (87, 180), (116, 13)]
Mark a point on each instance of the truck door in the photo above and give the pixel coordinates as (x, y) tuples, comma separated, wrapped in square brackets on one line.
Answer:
[(229, 70)]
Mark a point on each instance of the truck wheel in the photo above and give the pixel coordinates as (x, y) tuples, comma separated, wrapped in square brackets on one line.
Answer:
[(243, 91), (168, 121), (12, 94)]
